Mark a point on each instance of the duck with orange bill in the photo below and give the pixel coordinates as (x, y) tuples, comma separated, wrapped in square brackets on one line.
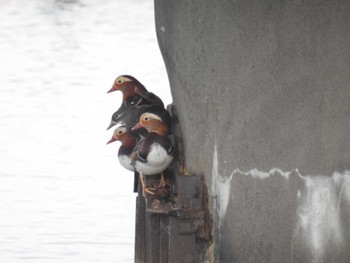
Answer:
[(128, 142), (130, 86), (154, 153), (134, 94)]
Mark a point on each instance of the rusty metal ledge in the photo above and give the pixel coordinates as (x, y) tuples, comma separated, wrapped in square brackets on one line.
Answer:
[(175, 225)]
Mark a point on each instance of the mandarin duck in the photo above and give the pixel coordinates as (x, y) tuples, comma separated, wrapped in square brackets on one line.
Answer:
[(130, 86), (134, 94), (126, 83), (128, 141), (154, 153)]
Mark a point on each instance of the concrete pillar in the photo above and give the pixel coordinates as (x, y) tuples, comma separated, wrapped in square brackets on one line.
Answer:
[(262, 90)]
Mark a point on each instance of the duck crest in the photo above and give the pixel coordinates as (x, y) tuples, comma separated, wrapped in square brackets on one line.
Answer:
[(134, 80), (154, 124)]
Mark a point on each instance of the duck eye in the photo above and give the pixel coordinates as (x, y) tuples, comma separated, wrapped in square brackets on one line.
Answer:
[(119, 81), (120, 132), (146, 118)]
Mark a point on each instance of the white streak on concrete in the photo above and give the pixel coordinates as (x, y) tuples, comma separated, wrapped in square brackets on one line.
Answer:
[(318, 220), (264, 175), (220, 188), (344, 181)]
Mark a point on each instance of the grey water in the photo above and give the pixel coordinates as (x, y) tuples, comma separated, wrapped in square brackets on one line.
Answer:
[(63, 195)]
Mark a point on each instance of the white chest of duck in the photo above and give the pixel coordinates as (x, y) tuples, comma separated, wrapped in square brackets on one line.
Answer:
[(158, 159)]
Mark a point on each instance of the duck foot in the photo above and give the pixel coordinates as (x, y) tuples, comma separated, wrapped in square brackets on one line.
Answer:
[(162, 182), (145, 189)]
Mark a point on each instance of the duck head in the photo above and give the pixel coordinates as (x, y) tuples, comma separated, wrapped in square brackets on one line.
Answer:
[(127, 83), (152, 123), (121, 134)]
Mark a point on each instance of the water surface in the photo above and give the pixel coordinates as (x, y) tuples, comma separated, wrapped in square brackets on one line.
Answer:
[(63, 195)]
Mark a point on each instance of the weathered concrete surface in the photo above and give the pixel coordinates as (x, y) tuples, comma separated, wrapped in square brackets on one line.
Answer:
[(263, 85)]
